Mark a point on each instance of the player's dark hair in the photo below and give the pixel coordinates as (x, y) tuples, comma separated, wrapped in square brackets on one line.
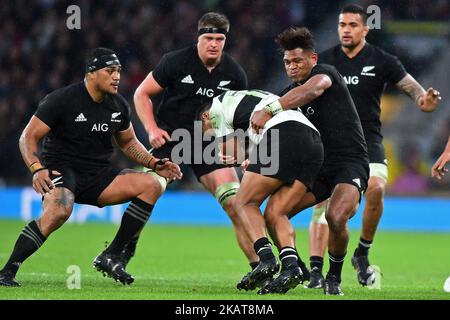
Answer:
[(295, 37), (357, 9), (214, 20), (205, 107)]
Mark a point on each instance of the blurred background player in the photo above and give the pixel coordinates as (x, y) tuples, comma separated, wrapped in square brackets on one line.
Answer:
[(321, 93), (78, 122), (189, 78), (366, 69), (439, 169)]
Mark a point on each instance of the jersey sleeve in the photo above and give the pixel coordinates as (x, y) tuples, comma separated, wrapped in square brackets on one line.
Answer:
[(163, 72), (326, 70), (395, 71), (49, 110)]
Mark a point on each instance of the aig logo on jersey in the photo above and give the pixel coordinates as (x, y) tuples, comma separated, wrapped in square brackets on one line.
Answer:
[(205, 92), (351, 79), (99, 127)]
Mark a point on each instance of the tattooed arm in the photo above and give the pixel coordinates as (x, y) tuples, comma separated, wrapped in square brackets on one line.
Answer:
[(133, 149), (427, 101)]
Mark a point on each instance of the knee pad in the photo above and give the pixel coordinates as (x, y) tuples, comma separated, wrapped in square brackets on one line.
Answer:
[(318, 215), (378, 170), (225, 191)]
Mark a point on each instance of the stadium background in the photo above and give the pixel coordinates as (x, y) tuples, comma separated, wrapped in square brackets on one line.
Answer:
[(38, 54)]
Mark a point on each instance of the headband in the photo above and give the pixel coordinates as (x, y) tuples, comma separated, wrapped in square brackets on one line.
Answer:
[(101, 62), (211, 30)]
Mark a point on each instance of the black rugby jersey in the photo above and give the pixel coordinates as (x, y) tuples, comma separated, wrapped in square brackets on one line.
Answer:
[(81, 129), (366, 75), (335, 116), (188, 85)]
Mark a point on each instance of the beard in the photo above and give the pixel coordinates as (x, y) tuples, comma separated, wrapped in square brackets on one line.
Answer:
[(351, 45)]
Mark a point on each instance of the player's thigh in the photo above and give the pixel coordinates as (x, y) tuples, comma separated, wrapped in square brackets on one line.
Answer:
[(129, 184), (212, 180), (255, 188), (59, 201)]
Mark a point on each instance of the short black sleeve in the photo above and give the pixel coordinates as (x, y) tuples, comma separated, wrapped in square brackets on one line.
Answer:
[(326, 69), (395, 71), (50, 109), (163, 72), (125, 106)]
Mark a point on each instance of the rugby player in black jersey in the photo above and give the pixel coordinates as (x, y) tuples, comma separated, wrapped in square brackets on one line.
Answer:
[(366, 70), (188, 78), (77, 123), (321, 93)]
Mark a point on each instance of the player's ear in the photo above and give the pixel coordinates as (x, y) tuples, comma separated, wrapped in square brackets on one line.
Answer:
[(205, 115), (314, 57), (366, 30)]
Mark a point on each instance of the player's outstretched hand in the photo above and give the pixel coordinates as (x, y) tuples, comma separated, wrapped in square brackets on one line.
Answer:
[(439, 170), (259, 119), (168, 169), (430, 100)]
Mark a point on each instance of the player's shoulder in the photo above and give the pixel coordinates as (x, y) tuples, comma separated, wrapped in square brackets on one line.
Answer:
[(230, 65), (180, 55), (329, 55), (325, 68), (230, 61), (65, 94), (379, 53), (119, 102)]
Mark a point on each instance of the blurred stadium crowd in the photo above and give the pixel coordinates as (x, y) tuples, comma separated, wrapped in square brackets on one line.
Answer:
[(39, 54)]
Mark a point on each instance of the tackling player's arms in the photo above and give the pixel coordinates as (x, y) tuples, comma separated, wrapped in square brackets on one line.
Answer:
[(304, 94)]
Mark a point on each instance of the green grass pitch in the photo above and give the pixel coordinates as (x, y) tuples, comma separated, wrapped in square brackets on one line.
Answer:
[(204, 262)]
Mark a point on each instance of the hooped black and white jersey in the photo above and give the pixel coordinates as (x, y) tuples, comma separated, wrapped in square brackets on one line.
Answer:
[(232, 111), (81, 129), (188, 85), (366, 76)]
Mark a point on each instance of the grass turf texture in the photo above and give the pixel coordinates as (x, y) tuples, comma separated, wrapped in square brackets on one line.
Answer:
[(204, 262)]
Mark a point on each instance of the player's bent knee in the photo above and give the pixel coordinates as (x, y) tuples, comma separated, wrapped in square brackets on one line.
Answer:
[(160, 180), (318, 215), (336, 220), (375, 190)]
